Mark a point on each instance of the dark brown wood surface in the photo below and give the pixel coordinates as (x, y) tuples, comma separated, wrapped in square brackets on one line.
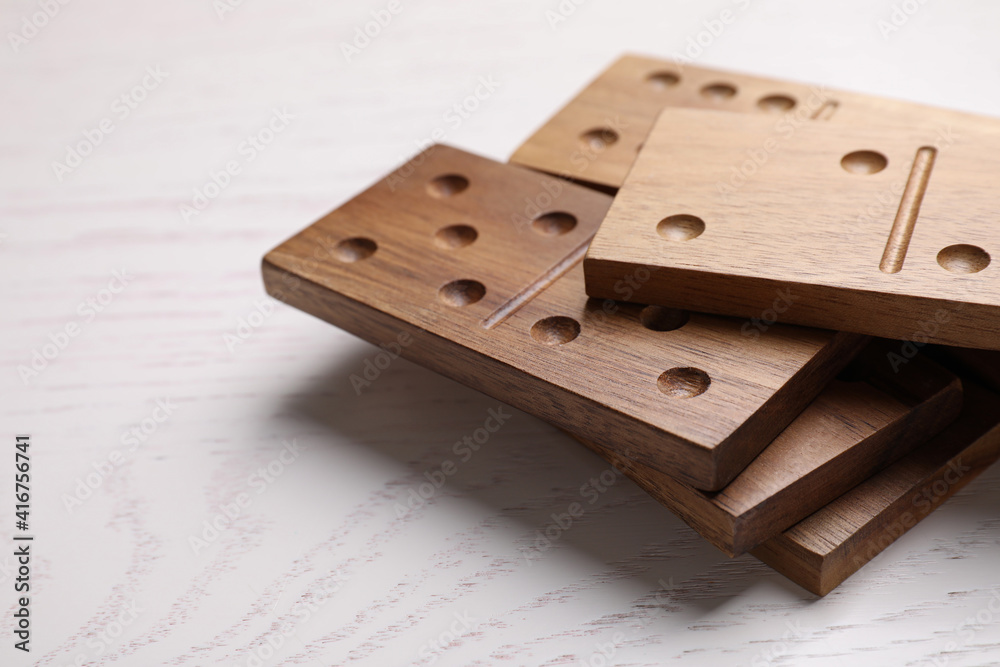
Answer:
[(822, 551), (883, 229), (855, 428), (437, 252), (596, 137)]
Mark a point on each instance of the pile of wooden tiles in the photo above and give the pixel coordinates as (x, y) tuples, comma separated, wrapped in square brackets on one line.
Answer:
[(683, 269)]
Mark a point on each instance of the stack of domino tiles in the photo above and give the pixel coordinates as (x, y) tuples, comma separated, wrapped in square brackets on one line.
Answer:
[(738, 388)]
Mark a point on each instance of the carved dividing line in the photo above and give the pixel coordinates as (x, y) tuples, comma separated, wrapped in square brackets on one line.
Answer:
[(826, 111), (909, 209), (537, 287)]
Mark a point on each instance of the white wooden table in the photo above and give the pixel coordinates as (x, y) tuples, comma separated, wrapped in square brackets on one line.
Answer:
[(206, 482)]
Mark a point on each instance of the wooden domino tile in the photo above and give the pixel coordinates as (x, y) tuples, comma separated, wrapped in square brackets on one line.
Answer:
[(447, 251), (881, 229), (595, 138), (854, 429), (822, 551)]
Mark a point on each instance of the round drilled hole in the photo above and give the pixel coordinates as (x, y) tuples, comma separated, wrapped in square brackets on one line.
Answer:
[(718, 91), (460, 293), (663, 80), (553, 224), (599, 138), (963, 258), (355, 250), (555, 330), (684, 382), (864, 162), (776, 103), (447, 186), (681, 227), (455, 236), (659, 318)]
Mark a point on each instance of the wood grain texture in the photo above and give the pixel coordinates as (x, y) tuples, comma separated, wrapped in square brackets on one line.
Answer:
[(629, 576), (506, 314), (761, 244), (596, 137), (835, 542), (854, 429)]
